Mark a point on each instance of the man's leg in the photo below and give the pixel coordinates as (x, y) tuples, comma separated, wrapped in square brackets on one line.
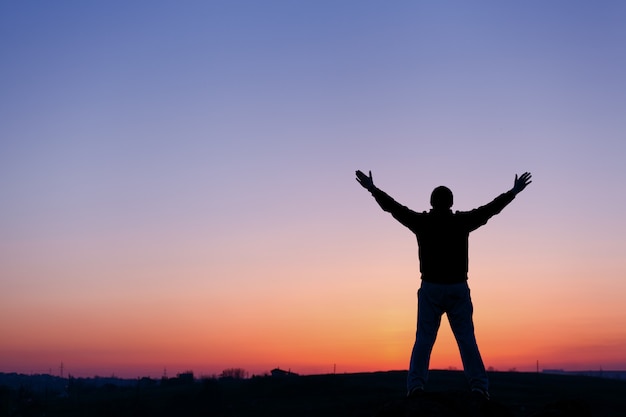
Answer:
[(428, 319), (460, 312)]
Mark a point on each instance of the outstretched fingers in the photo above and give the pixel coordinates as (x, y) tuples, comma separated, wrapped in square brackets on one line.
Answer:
[(366, 181), (521, 181)]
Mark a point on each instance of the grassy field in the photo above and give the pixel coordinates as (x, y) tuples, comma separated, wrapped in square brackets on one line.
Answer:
[(366, 394)]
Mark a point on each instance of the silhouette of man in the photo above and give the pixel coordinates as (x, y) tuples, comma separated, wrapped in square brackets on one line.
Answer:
[(442, 238)]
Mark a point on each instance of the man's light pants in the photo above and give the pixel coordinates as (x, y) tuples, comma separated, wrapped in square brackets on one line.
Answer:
[(454, 300)]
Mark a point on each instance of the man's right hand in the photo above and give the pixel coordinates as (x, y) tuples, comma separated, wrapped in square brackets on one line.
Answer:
[(521, 182), (365, 181)]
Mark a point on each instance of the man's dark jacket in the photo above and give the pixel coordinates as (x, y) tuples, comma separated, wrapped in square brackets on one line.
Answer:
[(442, 236)]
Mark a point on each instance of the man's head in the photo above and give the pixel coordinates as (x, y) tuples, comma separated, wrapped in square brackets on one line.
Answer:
[(441, 198)]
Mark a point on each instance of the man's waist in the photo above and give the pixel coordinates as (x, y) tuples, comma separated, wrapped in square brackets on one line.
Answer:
[(444, 278)]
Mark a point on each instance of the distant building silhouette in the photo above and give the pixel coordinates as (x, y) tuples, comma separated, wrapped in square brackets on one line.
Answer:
[(279, 373)]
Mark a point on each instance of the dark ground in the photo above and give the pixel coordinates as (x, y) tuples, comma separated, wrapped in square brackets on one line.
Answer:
[(379, 394)]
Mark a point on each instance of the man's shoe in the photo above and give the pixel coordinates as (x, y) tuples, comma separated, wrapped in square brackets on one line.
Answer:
[(483, 393), (415, 392)]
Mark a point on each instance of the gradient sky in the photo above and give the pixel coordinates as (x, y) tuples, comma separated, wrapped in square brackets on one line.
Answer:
[(177, 181)]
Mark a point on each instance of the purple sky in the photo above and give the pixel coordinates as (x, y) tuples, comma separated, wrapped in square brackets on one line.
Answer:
[(205, 151)]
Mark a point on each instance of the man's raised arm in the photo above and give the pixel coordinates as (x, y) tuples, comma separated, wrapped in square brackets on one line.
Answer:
[(398, 211)]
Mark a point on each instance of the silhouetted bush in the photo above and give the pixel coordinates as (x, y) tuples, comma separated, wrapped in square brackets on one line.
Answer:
[(234, 373)]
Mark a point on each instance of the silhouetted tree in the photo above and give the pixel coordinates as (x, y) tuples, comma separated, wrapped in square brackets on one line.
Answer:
[(234, 373)]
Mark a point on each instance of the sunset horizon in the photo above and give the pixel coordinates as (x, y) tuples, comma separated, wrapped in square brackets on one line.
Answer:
[(445, 356), (201, 372)]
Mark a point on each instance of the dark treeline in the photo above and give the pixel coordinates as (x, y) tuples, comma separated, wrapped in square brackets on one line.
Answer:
[(369, 394)]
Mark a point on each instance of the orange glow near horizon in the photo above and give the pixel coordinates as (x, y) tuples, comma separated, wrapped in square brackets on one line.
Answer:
[(314, 333), (358, 353), (356, 324)]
